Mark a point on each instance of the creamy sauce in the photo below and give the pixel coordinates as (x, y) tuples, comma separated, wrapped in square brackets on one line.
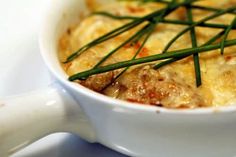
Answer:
[(172, 86)]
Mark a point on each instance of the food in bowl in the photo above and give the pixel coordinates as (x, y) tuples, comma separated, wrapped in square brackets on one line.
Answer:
[(172, 54)]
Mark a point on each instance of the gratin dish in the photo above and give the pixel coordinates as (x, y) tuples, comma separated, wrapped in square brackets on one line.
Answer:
[(131, 129)]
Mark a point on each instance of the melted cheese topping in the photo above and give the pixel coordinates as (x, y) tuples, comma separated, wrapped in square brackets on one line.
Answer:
[(172, 86)]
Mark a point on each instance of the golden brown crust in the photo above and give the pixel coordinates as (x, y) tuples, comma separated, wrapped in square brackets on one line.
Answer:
[(172, 86), (157, 87)]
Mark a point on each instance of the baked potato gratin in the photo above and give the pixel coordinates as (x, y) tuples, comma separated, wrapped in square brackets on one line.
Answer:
[(122, 32)]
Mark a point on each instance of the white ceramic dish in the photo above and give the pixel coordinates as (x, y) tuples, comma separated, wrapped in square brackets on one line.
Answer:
[(128, 128), (22, 47)]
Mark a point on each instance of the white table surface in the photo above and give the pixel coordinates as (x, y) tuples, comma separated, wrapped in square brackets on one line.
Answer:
[(22, 70)]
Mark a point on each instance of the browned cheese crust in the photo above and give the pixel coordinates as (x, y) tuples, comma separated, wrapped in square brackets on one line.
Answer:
[(172, 86)]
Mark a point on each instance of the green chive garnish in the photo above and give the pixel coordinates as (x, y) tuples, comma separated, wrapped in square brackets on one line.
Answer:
[(149, 23)]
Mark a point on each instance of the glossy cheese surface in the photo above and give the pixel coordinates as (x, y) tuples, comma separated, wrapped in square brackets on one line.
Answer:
[(172, 86)]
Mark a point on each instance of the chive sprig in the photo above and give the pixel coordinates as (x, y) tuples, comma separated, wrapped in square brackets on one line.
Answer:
[(149, 23)]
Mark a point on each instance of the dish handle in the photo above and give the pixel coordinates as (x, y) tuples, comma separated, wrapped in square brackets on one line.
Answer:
[(29, 117)]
